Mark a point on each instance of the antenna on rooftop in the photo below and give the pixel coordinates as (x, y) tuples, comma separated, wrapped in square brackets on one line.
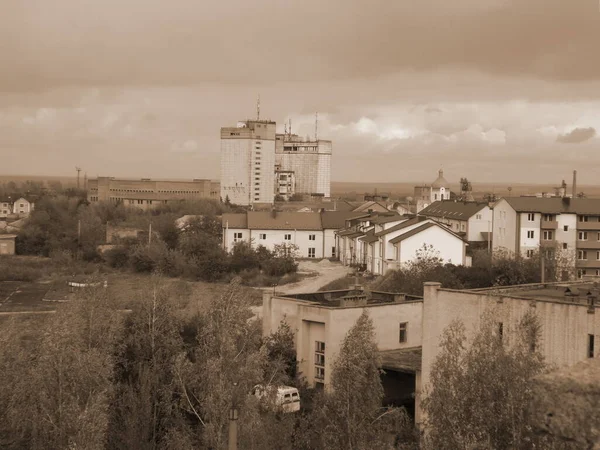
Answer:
[(316, 126), (258, 108), (290, 127)]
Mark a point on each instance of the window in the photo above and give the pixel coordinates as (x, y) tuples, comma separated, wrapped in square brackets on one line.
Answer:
[(435, 196), (566, 228), (262, 236), (478, 216), (311, 237), (598, 237), (530, 234), (500, 330), (531, 217), (548, 235), (548, 217), (403, 334), (582, 235), (311, 252), (237, 237), (320, 360), (584, 218), (582, 255), (529, 253), (598, 256), (333, 252), (565, 246), (590, 346), (287, 237)]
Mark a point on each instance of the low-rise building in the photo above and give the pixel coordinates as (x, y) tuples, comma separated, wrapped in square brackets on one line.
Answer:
[(380, 242), (5, 208), (23, 206), (568, 313), (321, 321), (311, 232), (147, 193), (472, 220), (7, 244)]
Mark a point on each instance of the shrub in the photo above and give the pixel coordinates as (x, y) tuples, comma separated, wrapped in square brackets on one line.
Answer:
[(117, 257)]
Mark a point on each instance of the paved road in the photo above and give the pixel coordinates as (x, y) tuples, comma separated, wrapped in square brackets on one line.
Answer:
[(17, 296)]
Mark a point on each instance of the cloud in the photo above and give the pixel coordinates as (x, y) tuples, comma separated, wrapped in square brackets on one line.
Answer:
[(142, 42), (576, 136), (189, 146)]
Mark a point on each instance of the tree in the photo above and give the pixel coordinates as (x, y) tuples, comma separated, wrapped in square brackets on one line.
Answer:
[(221, 368), (479, 393), (281, 353), (143, 408), (352, 416)]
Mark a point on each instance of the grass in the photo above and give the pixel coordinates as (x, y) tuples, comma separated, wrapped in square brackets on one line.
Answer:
[(36, 268)]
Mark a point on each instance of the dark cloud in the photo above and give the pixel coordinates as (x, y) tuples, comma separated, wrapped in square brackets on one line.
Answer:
[(182, 42), (576, 136)]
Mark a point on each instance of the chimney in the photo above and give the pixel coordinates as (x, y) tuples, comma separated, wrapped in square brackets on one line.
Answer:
[(574, 184)]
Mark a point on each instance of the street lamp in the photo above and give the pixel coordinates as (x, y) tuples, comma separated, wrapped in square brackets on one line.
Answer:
[(233, 418)]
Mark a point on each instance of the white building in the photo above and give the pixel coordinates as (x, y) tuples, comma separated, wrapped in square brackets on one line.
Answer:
[(522, 225), (472, 220), (5, 208), (22, 206), (308, 160), (248, 162), (312, 232), (380, 242)]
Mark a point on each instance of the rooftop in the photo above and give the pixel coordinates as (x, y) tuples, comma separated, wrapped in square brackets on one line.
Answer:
[(555, 205), (356, 297), (565, 292), (450, 209)]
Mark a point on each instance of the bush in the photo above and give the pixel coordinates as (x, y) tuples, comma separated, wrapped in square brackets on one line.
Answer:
[(117, 257), (279, 266)]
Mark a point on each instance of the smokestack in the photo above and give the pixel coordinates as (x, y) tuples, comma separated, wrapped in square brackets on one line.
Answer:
[(574, 184)]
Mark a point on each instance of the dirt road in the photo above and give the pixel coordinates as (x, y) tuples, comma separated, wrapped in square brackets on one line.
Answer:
[(326, 270)]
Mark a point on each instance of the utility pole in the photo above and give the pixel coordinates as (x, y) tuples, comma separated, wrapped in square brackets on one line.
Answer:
[(233, 419), (78, 169), (316, 126), (150, 234)]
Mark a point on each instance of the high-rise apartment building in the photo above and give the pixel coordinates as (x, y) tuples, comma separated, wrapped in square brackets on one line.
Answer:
[(248, 162), (309, 163)]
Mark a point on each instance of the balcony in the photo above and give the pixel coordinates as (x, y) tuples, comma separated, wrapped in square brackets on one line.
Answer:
[(591, 244), (590, 263), (550, 224), (584, 226)]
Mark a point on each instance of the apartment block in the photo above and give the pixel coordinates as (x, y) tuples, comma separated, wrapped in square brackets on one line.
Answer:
[(248, 162), (523, 225), (308, 160), (146, 193)]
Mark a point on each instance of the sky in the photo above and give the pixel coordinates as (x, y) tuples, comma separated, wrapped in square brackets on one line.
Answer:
[(494, 90)]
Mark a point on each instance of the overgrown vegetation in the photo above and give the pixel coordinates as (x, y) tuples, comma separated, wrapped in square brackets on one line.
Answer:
[(191, 249), (479, 391), (157, 376)]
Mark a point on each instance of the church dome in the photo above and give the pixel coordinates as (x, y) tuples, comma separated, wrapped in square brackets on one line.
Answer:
[(440, 182)]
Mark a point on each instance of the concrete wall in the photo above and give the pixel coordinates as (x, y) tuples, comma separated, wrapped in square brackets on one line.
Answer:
[(330, 325), (477, 226), (564, 326)]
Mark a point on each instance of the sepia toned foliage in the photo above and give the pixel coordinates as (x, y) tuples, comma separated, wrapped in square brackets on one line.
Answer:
[(480, 389)]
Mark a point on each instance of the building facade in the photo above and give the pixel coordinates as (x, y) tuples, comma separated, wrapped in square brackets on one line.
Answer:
[(568, 314), (472, 220), (22, 206), (308, 160), (5, 208), (248, 162), (312, 232), (570, 227), (322, 320), (7, 244), (146, 193)]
